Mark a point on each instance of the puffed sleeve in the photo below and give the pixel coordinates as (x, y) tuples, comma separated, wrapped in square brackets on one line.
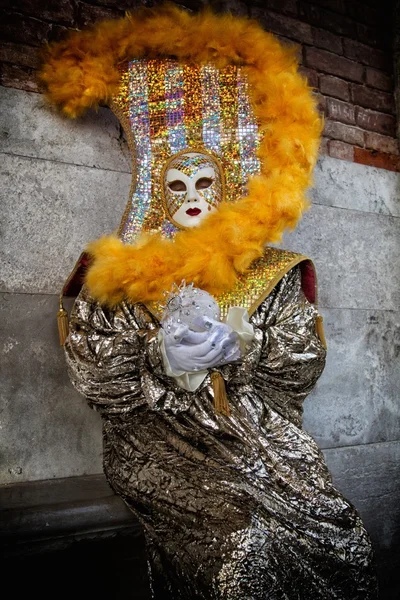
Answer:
[(108, 353), (292, 356)]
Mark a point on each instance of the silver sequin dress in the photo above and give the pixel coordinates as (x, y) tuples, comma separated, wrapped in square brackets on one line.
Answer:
[(233, 508)]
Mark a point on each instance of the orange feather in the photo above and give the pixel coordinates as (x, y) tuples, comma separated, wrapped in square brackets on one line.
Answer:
[(82, 71)]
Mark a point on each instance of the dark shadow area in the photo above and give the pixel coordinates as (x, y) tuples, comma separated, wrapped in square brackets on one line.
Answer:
[(103, 568)]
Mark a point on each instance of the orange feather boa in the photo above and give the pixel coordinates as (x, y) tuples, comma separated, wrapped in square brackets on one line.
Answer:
[(82, 72)]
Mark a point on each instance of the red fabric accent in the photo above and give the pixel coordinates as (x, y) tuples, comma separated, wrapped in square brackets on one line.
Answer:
[(74, 284), (308, 281)]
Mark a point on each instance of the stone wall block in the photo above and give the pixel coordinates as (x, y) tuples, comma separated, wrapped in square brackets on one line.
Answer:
[(355, 256), (29, 127), (51, 211), (47, 428), (356, 187), (355, 400), (369, 477)]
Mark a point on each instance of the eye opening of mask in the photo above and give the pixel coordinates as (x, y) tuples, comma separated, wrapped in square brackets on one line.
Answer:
[(177, 185), (204, 182)]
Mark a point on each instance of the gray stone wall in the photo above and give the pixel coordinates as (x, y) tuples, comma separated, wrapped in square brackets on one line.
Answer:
[(65, 183)]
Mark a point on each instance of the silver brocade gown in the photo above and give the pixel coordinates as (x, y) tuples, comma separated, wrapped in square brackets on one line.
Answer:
[(233, 508)]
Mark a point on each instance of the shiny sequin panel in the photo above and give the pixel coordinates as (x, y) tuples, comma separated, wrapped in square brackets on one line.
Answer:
[(251, 288), (169, 107), (238, 507)]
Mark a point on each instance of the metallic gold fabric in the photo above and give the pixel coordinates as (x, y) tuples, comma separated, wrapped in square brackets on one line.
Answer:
[(234, 508)]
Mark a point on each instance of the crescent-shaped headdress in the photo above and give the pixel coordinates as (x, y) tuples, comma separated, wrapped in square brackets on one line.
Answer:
[(192, 82)]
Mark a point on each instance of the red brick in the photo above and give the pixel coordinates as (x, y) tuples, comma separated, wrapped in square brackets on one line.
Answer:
[(283, 25), (376, 36), (88, 15), (326, 19), (370, 98), (367, 55), (344, 133), (18, 77), (235, 7), (327, 40), (341, 111), (341, 150), (382, 143), (57, 11), (335, 5), (285, 7), (292, 45), (18, 54), (376, 121), (333, 64), (57, 33), (321, 102), (333, 86), (379, 80), (362, 13), (312, 76), (323, 147), (15, 28), (310, 13), (122, 4), (377, 159)]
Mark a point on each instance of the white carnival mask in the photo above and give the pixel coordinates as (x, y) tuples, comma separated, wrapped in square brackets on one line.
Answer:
[(192, 188)]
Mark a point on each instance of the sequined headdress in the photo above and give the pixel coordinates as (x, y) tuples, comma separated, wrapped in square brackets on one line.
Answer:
[(177, 81), (168, 107)]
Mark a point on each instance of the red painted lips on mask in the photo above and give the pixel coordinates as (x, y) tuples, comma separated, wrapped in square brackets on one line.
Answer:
[(193, 212)]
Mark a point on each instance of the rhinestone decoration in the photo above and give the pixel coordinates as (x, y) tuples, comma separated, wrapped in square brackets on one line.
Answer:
[(170, 107)]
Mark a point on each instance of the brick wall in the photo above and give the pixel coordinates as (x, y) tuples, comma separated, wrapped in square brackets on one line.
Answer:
[(344, 46)]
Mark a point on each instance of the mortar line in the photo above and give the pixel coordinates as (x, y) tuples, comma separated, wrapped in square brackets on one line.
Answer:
[(63, 162), (357, 445), (56, 294)]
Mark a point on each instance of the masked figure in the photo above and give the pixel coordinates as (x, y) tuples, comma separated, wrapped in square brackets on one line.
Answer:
[(195, 341)]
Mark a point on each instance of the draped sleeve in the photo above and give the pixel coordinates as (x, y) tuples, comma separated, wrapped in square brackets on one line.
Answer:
[(291, 356), (109, 352)]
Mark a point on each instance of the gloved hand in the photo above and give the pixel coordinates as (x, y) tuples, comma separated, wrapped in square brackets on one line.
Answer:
[(213, 343)]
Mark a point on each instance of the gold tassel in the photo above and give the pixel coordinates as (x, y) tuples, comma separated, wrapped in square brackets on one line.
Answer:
[(319, 328), (62, 322), (221, 403)]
